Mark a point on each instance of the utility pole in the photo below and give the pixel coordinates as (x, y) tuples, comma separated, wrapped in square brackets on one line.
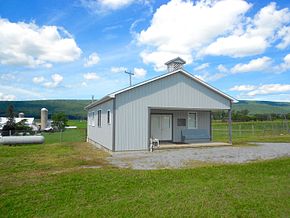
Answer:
[(130, 76)]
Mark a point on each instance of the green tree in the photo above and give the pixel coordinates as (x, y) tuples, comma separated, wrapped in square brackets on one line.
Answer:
[(59, 121), (9, 127), (23, 127)]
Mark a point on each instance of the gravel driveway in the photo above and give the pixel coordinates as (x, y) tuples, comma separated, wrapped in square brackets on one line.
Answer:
[(178, 158)]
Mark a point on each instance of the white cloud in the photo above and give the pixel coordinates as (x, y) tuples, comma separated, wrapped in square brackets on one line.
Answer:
[(269, 89), (56, 79), (284, 33), (236, 46), (160, 57), (179, 28), (285, 65), (255, 35), (26, 44), (91, 76), (115, 4), (254, 65), (211, 77), (201, 67), (103, 6), (118, 69), (93, 59), (139, 72), (20, 93), (287, 59), (84, 84), (8, 97), (243, 88), (7, 76), (221, 68), (38, 79), (263, 91)]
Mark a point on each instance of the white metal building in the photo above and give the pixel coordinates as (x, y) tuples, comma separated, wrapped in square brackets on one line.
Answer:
[(174, 107)]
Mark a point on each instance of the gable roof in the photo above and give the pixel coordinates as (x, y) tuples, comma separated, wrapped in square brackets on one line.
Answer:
[(113, 94)]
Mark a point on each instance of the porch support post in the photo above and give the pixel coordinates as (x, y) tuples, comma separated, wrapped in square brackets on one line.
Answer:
[(230, 123), (149, 128), (211, 131)]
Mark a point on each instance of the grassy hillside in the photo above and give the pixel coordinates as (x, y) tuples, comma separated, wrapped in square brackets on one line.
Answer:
[(263, 107), (75, 108)]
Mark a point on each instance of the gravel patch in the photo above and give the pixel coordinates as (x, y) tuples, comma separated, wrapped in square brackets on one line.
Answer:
[(178, 158)]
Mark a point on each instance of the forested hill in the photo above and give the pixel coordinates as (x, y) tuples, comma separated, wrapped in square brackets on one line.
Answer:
[(75, 108), (263, 107)]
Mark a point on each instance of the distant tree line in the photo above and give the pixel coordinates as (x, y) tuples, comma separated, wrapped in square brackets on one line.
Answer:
[(245, 116)]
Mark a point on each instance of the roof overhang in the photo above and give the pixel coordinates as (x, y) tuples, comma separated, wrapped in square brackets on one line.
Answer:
[(95, 103)]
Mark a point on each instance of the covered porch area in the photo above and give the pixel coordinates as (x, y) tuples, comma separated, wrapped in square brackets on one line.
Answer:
[(184, 128)]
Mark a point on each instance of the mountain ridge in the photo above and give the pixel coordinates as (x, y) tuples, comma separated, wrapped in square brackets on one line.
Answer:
[(74, 108)]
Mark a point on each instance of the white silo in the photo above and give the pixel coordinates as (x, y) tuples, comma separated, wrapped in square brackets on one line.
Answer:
[(43, 118), (21, 115)]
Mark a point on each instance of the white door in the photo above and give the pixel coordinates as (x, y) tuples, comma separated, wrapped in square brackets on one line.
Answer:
[(161, 127)]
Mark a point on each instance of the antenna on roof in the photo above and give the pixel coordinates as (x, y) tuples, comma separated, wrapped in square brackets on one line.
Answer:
[(130, 76)]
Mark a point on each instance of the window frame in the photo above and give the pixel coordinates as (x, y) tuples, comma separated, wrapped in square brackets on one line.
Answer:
[(99, 118), (109, 117), (93, 118), (90, 118), (196, 123)]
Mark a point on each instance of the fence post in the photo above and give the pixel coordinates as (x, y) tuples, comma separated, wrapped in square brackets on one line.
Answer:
[(230, 124), (60, 136), (286, 123), (253, 130)]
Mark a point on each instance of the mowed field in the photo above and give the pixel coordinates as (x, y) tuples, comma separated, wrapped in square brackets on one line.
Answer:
[(71, 179)]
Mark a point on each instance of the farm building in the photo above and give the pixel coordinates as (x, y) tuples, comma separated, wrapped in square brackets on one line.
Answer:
[(174, 107), (29, 121)]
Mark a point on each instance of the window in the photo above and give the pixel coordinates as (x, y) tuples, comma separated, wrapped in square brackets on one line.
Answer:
[(93, 118), (99, 118), (181, 122), (109, 117), (192, 121)]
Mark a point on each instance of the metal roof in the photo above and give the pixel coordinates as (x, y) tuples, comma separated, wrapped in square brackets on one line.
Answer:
[(113, 95)]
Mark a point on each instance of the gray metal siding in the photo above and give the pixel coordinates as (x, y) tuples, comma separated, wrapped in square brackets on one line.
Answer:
[(172, 92), (102, 135), (203, 120)]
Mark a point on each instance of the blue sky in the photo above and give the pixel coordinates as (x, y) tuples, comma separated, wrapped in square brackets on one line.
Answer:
[(73, 49)]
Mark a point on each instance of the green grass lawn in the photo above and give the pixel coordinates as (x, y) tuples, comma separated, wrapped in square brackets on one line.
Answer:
[(72, 179), (79, 123), (53, 180)]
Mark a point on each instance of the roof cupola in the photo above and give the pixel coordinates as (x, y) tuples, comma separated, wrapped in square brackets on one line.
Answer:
[(175, 64)]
